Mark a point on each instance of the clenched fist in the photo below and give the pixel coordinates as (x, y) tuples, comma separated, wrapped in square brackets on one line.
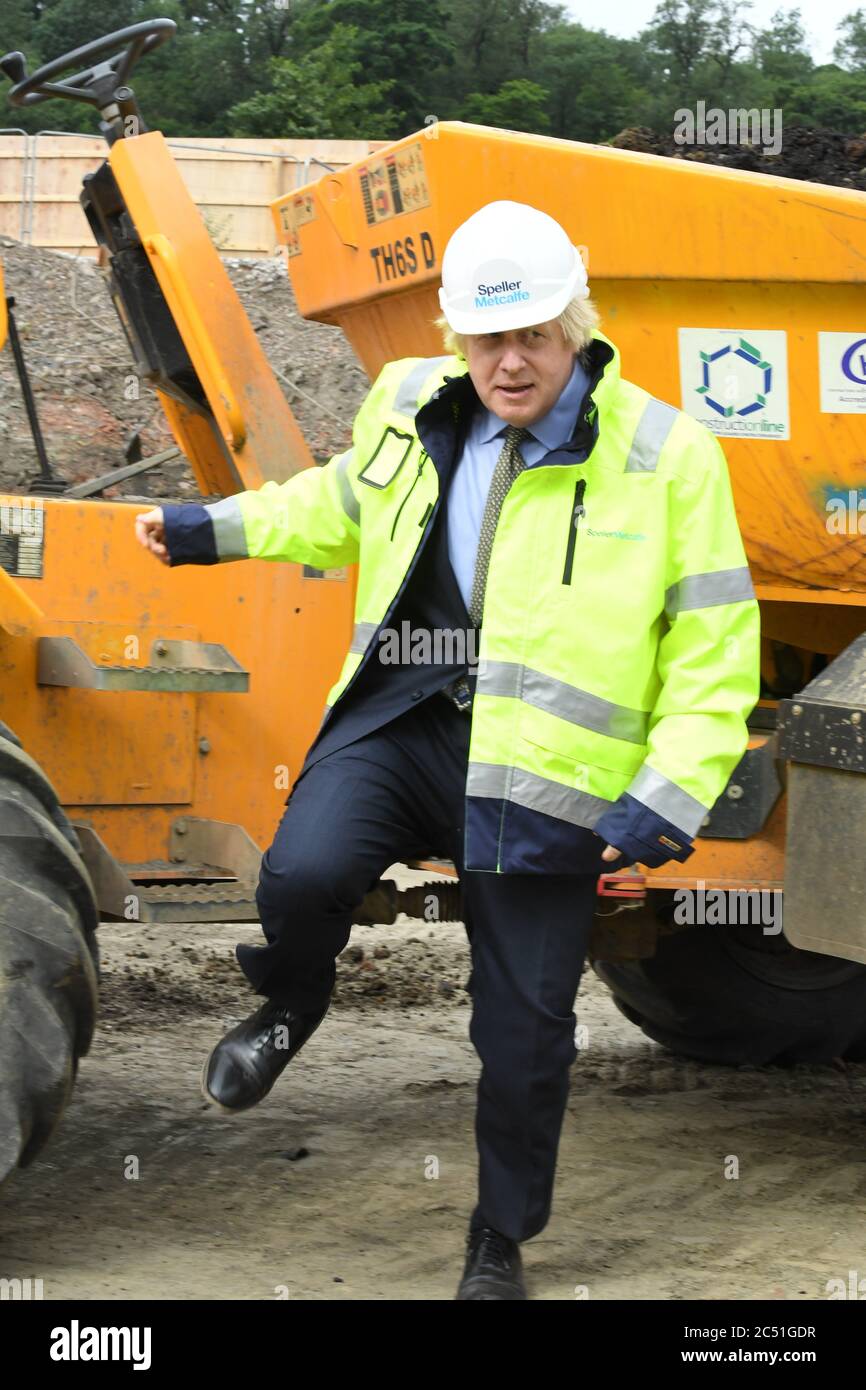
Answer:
[(150, 532)]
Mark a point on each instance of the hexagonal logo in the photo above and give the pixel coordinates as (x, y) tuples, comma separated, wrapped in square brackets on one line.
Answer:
[(715, 380), (735, 381)]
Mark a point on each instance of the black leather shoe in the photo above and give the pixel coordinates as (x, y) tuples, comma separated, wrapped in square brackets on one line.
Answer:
[(244, 1065), (493, 1267)]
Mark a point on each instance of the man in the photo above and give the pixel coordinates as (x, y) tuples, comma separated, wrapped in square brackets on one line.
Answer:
[(518, 492)]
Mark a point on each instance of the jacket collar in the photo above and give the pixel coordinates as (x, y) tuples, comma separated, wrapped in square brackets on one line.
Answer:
[(445, 418)]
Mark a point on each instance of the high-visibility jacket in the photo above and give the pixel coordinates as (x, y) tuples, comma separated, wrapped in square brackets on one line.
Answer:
[(619, 647)]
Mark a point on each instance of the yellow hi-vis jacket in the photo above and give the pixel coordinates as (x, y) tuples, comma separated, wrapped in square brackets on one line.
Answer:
[(619, 649)]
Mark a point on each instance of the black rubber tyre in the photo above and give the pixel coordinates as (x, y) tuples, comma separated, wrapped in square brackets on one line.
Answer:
[(48, 957), (731, 995)]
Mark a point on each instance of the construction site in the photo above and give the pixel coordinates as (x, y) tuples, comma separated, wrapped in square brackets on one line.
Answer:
[(155, 719)]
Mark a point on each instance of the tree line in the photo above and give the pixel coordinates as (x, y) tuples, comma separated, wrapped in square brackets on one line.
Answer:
[(380, 69)]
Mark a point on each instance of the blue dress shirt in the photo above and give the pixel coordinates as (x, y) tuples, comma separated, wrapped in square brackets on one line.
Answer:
[(470, 483)]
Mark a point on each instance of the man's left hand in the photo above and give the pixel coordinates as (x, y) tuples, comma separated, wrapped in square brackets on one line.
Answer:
[(650, 839)]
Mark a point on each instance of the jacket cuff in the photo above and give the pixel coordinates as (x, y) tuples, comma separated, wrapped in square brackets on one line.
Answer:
[(189, 534), (642, 834)]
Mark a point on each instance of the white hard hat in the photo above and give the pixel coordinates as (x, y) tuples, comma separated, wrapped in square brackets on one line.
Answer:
[(509, 266)]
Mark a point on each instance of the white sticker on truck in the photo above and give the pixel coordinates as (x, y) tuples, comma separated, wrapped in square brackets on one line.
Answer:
[(842, 368), (735, 381)]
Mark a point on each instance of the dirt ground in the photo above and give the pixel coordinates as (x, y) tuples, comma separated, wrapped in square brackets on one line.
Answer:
[(326, 1190), (354, 1179)]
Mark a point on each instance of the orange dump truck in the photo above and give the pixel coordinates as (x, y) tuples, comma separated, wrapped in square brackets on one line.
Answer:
[(740, 298), (166, 713)]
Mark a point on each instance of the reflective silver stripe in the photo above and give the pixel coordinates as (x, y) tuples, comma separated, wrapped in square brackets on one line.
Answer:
[(406, 399), (535, 793), (228, 529), (653, 428), (351, 505), (705, 590), (519, 682), (668, 800), (362, 636)]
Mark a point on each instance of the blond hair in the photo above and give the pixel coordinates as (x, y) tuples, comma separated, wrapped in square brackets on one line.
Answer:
[(577, 321)]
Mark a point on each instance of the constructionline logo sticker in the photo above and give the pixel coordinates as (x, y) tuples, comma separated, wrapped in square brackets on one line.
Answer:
[(735, 381)]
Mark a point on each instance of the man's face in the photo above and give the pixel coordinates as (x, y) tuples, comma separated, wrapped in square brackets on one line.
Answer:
[(519, 375)]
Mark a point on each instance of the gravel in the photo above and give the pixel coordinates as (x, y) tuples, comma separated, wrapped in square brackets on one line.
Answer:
[(84, 383)]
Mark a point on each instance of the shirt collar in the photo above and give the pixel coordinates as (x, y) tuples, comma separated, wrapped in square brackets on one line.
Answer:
[(552, 429)]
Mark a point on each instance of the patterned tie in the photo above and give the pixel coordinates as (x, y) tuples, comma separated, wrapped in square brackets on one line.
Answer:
[(508, 465)]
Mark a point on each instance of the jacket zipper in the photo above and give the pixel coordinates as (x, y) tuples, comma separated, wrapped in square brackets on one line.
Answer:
[(578, 510), (422, 460)]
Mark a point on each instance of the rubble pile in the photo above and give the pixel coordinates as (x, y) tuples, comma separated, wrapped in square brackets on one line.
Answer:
[(89, 400), (822, 156)]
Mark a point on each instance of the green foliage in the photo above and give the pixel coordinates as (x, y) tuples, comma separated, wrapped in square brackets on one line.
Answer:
[(321, 94), (851, 49), (680, 36), (597, 85), (831, 98), (400, 42), (780, 50), (492, 41), (68, 24), (518, 105), (187, 87), (379, 69)]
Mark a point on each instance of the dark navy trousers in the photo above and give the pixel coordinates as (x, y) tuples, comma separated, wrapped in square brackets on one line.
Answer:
[(398, 793)]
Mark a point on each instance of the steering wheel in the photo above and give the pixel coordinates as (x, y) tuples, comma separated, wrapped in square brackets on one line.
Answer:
[(136, 40)]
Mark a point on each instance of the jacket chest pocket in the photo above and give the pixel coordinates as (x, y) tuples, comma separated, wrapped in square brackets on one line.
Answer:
[(387, 458)]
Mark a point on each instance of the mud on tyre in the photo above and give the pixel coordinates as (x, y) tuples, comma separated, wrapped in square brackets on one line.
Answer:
[(48, 957)]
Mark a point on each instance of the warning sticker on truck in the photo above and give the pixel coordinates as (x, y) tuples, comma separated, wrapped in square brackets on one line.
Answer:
[(842, 366), (735, 381), (22, 536), (395, 184), (296, 212)]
